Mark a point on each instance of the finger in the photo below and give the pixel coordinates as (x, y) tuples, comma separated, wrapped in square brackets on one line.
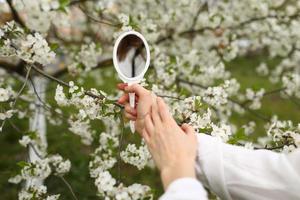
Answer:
[(123, 99), (146, 136), (163, 109), (188, 129), (121, 86), (130, 110), (136, 88), (149, 125), (155, 113), (130, 116)]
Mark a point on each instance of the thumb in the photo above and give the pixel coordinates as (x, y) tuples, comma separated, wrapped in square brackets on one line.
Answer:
[(188, 129), (137, 89)]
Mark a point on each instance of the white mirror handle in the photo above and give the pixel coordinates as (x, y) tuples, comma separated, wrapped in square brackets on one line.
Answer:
[(132, 104)]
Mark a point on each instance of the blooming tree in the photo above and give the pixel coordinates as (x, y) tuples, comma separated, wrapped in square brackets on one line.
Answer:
[(192, 45)]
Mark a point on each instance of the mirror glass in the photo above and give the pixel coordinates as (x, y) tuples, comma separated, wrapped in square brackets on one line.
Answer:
[(131, 56)]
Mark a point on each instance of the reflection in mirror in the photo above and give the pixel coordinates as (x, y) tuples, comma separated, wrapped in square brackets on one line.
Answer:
[(131, 55)]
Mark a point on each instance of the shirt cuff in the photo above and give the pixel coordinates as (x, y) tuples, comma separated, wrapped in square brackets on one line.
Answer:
[(185, 189)]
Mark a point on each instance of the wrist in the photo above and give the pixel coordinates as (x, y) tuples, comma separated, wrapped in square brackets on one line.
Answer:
[(181, 169)]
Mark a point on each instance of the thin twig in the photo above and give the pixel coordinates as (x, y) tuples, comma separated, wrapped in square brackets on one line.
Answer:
[(201, 8), (292, 100), (240, 25), (14, 126), (44, 104), (35, 151), (258, 115), (19, 94), (69, 186), (15, 14), (120, 146), (61, 177), (266, 94), (98, 20), (266, 147)]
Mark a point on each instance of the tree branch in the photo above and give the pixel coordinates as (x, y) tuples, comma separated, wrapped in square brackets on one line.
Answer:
[(192, 32), (195, 19), (43, 73), (69, 186), (15, 14), (256, 114), (102, 64), (98, 20)]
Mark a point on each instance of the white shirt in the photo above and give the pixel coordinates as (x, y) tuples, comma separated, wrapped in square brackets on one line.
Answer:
[(126, 64), (234, 172)]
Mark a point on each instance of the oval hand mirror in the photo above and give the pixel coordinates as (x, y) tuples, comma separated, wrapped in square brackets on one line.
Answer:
[(131, 58)]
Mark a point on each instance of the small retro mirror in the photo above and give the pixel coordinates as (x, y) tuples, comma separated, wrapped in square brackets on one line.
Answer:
[(131, 58)]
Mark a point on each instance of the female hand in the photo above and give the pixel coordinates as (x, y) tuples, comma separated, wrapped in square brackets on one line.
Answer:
[(138, 113), (173, 148)]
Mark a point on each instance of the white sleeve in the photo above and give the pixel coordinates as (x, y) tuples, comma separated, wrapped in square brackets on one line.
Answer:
[(237, 173), (185, 189)]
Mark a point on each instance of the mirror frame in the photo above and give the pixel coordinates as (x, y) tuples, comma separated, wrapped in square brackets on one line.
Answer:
[(116, 62)]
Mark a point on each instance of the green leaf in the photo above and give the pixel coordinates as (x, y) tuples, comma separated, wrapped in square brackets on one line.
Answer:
[(132, 23), (54, 46), (31, 134), (64, 3), (22, 164)]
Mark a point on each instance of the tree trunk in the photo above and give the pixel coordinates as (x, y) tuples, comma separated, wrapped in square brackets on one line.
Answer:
[(38, 124)]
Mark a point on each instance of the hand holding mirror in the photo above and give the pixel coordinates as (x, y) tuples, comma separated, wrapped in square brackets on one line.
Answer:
[(131, 58)]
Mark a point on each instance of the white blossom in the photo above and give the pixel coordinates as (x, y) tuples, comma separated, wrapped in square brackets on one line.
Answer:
[(36, 192), (249, 128), (215, 96), (262, 69), (25, 140), (89, 55), (292, 84), (4, 95), (124, 19), (15, 180), (36, 169), (82, 129), (138, 157), (223, 131), (35, 49), (60, 96), (105, 182), (1, 33), (7, 114), (61, 166), (254, 98)]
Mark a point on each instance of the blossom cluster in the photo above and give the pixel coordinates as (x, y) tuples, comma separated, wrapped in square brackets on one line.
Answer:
[(104, 159), (36, 192), (138, 157), (41, 169), (284, 132), (29, 47)]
